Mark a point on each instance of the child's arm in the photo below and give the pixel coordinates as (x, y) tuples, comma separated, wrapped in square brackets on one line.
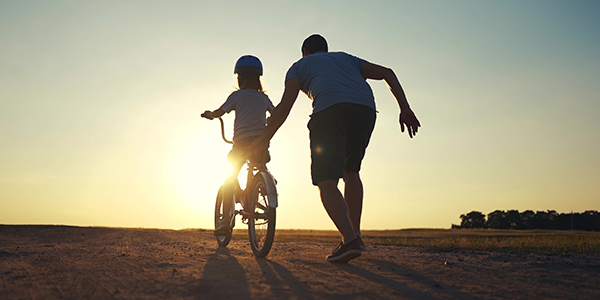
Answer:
[(213, 114), (407, 116)]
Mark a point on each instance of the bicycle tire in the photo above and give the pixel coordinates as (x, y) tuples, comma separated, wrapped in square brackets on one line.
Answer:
[(261, 224), (222, 240)]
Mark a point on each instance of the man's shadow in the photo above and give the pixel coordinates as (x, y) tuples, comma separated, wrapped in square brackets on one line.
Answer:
[(284, 285), (402, 289)]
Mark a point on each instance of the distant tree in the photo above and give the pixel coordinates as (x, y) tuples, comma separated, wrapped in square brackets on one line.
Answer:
[(474, 219), (590, 220), (513, 218), (550, 219), (563, 222), (497, 220), (544, 220), (552, 215), (527, 219)]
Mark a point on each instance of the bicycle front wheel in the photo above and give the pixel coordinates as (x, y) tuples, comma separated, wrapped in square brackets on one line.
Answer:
[(222, 240), (261, 223)]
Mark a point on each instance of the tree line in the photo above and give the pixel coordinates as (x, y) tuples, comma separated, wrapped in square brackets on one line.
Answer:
[(513, 219)]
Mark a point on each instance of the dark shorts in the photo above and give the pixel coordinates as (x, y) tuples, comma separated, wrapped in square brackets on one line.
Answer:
[(339, 136), (239, 153)]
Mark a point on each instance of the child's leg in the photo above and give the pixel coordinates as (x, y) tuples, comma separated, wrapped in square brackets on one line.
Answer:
[(236, 161), (229, 187)]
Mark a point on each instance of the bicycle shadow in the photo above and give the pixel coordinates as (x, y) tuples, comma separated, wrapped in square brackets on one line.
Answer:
[(222, 278), (284, 284), (402, 289)]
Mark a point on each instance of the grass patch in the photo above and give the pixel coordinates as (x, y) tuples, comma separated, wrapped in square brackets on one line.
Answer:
[(541, 241)]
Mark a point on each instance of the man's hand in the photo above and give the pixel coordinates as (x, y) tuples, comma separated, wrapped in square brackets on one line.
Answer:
[(408, 118)]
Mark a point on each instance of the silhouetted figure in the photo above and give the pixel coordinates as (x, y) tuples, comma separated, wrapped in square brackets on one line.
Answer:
[(250, 104), (340, 128)]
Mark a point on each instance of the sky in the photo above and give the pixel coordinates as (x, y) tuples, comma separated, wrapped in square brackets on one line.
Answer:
[(100, 105)]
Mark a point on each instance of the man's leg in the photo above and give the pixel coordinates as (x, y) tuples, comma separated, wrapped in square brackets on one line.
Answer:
[(361, 122), (336, 207), (353, 194)]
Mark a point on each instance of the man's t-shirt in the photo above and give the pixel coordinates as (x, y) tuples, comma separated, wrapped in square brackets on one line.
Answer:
[(250, 112), (329, 78)]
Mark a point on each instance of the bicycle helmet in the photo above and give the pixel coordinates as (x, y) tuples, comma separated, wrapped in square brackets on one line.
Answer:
[(248, 64)]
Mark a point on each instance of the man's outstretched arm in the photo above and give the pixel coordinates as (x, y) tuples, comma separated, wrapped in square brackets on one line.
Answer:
[(279, 115), (407, 116)]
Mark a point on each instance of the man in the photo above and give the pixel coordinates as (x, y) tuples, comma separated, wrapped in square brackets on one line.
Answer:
[(341, 124)]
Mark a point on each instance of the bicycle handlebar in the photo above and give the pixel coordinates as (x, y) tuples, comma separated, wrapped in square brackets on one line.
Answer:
[(223, 132), (222, 128)]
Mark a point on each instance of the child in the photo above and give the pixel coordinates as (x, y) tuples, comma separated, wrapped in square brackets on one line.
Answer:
[(250, 104)]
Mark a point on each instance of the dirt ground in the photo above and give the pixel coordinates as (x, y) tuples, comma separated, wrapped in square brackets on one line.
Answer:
[(59, 262)]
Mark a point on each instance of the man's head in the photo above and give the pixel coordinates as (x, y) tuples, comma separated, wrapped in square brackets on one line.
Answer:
[(314, 43)]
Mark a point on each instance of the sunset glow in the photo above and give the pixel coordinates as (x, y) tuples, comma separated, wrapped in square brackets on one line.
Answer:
[(100, 105)]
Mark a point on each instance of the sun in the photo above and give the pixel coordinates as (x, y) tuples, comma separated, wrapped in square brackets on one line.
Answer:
[(199, 169)]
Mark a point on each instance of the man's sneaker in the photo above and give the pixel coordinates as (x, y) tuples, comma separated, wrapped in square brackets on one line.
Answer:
[(361, 244), (345, 252)]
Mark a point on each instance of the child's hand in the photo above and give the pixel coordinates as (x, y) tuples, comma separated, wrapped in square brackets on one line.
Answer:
[(207, 114)]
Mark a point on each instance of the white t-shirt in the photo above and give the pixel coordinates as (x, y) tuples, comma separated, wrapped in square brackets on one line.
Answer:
[(250, 112)]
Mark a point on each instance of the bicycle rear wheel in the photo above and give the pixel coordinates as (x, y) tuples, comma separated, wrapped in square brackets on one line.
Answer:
[(261, 224), (222, 240)]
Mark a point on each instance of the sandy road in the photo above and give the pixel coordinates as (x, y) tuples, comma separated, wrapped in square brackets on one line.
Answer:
[(49, 262)]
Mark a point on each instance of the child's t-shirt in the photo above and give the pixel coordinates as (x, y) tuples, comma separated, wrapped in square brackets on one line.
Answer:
[(329, 78), (250, 112)]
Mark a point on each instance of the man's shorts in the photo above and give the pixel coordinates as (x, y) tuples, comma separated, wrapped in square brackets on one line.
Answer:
[(339, 136)]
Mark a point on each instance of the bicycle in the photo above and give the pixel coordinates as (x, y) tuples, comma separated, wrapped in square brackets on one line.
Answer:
[(259, 202)]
